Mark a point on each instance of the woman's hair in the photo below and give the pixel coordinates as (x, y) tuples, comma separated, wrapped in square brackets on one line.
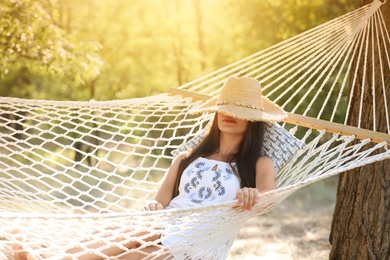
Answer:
[(249, 152)]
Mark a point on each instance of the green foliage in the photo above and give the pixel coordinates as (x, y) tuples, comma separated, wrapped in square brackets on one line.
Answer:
[(39, 60), (81, 50)]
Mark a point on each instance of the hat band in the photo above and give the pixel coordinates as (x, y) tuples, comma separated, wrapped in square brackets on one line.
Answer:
[(241, 104)]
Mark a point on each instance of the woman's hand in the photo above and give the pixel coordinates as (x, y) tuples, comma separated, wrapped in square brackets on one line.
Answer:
[(247, 198), (153, 206)]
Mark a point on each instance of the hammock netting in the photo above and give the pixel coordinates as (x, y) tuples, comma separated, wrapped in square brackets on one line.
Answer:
[(74, 176)]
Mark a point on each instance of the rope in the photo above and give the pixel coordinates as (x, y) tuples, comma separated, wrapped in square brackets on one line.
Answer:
[(75, 174)]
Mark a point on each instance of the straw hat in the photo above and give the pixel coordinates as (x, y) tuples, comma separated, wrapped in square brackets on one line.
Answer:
[(241, 98)]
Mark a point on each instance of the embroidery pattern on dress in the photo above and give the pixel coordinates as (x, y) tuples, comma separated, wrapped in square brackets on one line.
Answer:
[(207, 182)]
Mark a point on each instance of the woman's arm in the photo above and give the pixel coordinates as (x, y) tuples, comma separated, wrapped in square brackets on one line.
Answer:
[(265, 181), (265, 175), (165, 193)]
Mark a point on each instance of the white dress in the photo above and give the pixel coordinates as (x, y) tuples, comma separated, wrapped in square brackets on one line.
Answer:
[(203, 182)]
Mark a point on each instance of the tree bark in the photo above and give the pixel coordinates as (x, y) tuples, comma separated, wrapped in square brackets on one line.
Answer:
[(361, 220)]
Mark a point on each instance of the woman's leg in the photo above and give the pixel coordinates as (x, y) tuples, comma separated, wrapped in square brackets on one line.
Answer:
[(146, 253), (19, 252), (111, 245)]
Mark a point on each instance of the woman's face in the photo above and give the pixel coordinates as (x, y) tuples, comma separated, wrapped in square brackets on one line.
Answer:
[(228, 124)]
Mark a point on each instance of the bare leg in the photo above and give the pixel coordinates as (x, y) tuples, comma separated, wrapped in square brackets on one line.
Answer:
[(87, 248), (145, 253), (19, 252)]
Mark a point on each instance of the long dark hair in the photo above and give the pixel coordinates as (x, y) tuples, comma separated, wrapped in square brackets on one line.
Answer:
[(249, 152)]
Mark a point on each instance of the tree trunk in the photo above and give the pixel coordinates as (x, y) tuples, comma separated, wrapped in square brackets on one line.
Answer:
[(361, 220)]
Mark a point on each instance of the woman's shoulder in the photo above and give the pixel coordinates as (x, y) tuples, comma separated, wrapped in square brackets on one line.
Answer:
[(182, 155), (264, 159), (265, 162)]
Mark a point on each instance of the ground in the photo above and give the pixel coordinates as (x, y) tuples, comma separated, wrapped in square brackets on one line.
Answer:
[(298, 229)]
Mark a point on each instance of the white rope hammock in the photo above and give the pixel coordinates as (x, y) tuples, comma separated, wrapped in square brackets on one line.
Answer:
[(81, 171)]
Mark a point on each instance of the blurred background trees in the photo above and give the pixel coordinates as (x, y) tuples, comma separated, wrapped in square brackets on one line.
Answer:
[(117, 49)]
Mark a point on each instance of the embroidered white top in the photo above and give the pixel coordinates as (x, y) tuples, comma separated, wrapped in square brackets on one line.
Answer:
[(204, 182)]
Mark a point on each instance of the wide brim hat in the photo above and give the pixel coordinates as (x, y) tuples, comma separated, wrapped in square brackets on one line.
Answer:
[(241, 98)]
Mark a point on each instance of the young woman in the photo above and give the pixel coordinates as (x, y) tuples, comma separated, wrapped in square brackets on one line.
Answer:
[(229, 161)]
